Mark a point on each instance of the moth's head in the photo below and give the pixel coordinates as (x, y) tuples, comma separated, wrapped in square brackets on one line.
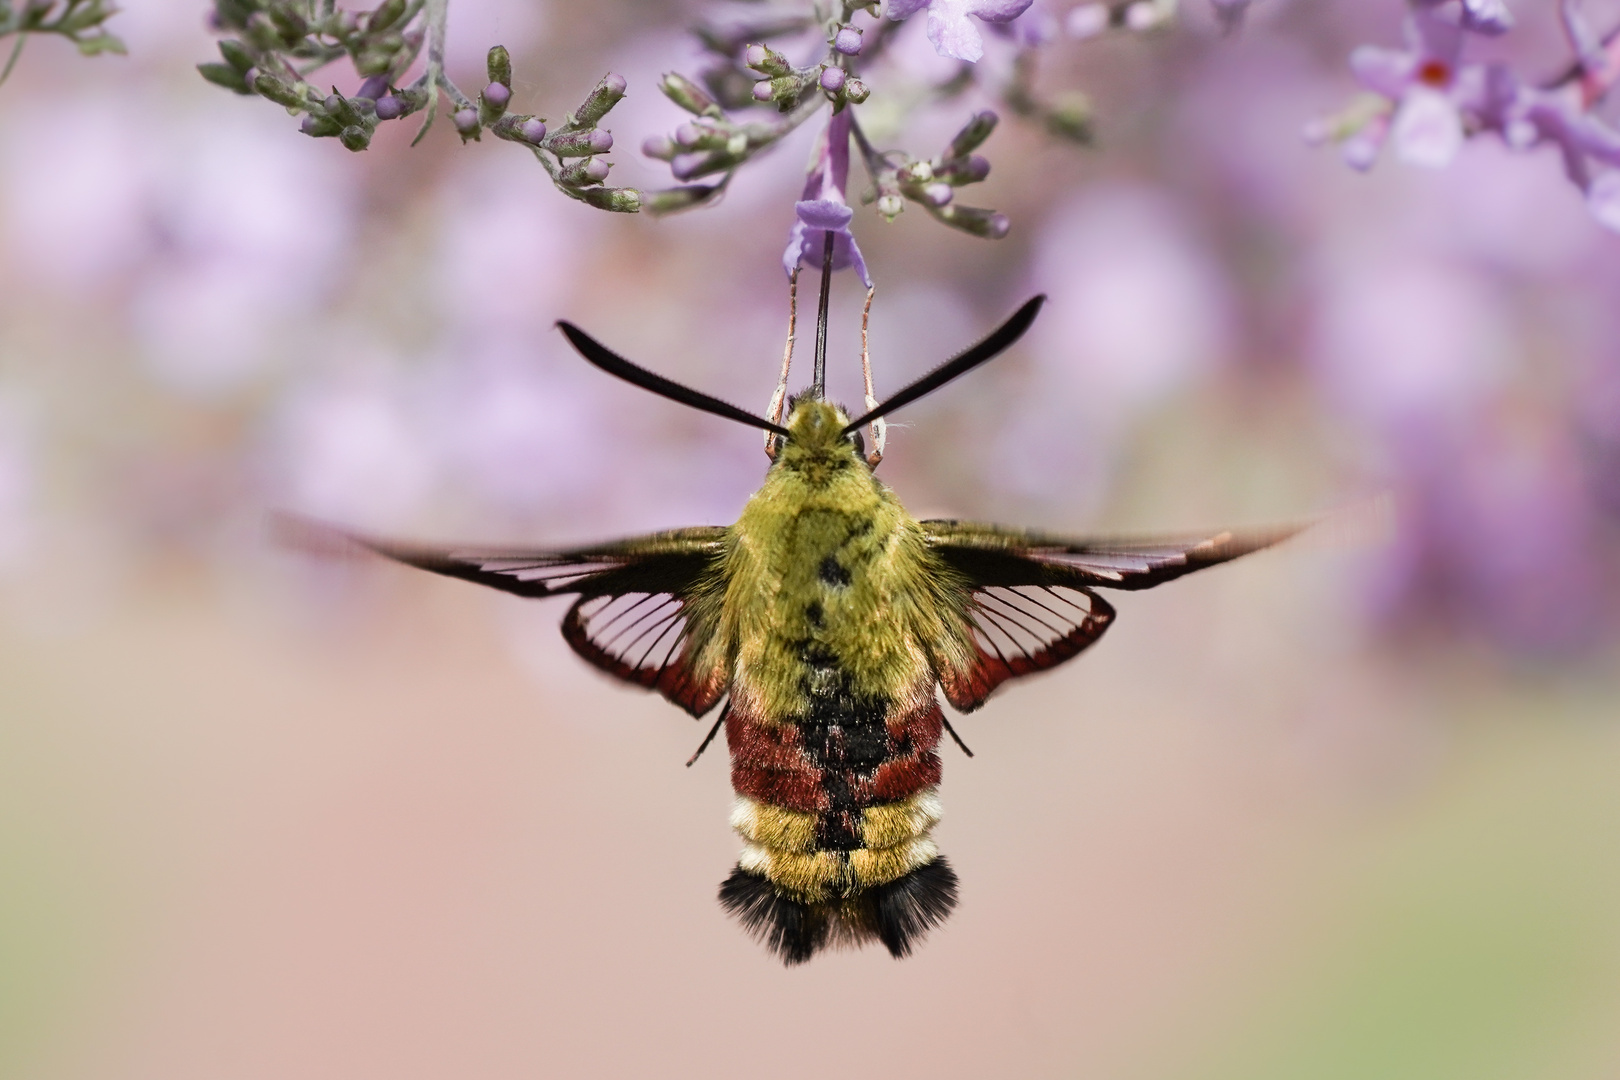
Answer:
[(818, 430)]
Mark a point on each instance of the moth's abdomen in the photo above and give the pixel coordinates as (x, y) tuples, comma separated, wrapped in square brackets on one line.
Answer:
[(836, 809)]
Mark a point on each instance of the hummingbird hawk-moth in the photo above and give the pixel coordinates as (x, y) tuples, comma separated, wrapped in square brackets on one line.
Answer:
[(825, 619)]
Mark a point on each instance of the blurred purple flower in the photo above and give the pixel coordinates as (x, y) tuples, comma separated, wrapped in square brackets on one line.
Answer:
[(823, 209), (1496, 534), (949, 27), (353, 448), (1481, 16), (1230, 12), (1425, 88)]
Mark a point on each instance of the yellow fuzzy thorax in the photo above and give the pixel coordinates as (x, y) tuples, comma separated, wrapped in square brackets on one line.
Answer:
[(825, 556)]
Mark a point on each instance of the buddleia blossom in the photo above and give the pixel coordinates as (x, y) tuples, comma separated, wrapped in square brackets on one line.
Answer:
[(824, 210), (1420, 97), (950, 22), (280, 45), (1426, 101)]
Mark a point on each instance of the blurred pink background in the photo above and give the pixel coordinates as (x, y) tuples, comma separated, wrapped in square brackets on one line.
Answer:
[(1343, 810)]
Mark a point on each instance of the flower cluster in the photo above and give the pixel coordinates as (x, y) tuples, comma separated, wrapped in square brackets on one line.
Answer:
[(752, 68), (1425, 100), (80, 21), (280, 43)]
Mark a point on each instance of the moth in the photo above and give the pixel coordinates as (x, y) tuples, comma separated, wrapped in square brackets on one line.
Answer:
[(829, 621)]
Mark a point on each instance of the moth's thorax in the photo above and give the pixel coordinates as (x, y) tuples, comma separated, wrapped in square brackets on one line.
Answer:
[(825, 574)]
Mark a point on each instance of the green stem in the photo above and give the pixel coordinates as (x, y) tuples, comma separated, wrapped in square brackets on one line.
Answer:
[(438, 14), (16, 51)]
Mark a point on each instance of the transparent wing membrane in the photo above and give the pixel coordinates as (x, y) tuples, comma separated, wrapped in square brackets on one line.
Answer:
[(1019, 630)]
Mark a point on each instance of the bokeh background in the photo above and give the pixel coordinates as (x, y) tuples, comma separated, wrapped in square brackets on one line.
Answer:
[(1346, 809)]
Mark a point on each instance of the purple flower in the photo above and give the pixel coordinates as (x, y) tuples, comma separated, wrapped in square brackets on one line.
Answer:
[(948, 26), (1425, 87), (1528, 116), (823, 208)]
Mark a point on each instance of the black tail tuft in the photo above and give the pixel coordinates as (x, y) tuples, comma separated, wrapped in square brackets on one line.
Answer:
[(792, 930), (897, 914), (908, 907)]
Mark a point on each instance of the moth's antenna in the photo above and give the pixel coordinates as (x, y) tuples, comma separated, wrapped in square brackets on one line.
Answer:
[(818, 384), (614, 364), (998, 342)]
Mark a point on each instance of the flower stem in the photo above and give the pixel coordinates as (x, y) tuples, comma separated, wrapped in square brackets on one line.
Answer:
[(16, 51), (438, 14)]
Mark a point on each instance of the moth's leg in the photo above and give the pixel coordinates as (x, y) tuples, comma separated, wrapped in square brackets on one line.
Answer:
[(779, 399), (879, 426)]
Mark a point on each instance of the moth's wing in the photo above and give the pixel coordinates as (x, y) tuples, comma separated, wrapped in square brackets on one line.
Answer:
[(1031, 604), (633, 618), (992, 554)]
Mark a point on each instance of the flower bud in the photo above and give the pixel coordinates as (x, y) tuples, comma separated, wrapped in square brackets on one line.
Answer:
[(386, 15), (890, 206), (972, 219), (687, 94), (466, 121), (580, 143), (583, 173), (659, 147), (278, 90), (339, 109), (832, 79), (319, 127), (692, 166), (938, 194), (373, 88), (289, 24), (973, 134), (622, 200), (355, 137), (608, 93), (532, 130), (493, 101), (847, 40), (670, 200), (766, 60), (968, 170), (763, 90), (688, 135), (390, 107), (499, 66), (224, 75), (236, 56), (856, 91), (263, 33)]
